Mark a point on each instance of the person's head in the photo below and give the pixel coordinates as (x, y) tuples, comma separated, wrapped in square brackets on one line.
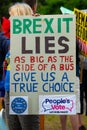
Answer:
[(32, 4), (19, 9)]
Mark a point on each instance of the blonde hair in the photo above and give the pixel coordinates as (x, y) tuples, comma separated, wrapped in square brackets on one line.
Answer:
[(19, 9)]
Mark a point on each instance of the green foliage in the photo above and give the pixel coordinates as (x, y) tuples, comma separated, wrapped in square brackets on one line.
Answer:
[(80, 4), (50, 7), (46, 6), (4, 8), (53, 6)]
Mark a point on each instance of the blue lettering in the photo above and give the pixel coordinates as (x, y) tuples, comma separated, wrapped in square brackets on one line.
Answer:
[(25, 87), (65, 76), (48, 76), (58, 87), (25, 77), (57, 101)]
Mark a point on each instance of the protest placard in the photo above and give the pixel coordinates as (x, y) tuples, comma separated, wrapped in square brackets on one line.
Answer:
[(81, 30), (43, 65)]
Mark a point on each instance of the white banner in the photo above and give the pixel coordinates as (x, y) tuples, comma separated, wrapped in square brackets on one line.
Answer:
[(43, 58)]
